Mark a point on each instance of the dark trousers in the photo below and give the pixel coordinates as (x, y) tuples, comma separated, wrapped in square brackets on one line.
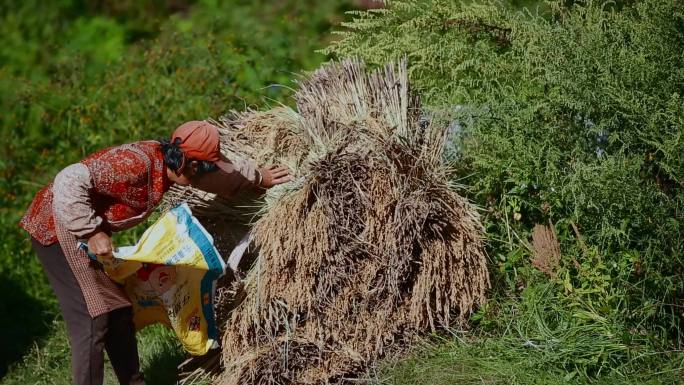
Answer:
[(113, 331)]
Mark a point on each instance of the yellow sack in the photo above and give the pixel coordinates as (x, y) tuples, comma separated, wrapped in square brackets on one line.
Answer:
[(170, 276)]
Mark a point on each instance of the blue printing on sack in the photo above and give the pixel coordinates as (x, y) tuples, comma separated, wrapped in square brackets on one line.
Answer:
[(200, 238)]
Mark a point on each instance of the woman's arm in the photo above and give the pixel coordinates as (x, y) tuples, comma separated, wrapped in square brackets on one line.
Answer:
[(242, 175), (71, 201), (72, 207), (227, 183)]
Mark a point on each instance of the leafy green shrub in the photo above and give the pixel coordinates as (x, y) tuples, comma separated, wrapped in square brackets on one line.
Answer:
[(574, 118)]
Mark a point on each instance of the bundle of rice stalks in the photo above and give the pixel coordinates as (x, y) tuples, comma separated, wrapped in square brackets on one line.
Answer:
[(368, 248), (546, 249)]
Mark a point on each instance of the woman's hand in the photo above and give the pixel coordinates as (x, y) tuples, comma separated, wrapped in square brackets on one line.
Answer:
[(100, 244), (274, 175)]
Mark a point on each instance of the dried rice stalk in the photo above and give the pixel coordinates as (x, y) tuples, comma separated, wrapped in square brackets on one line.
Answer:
[(546, 250)]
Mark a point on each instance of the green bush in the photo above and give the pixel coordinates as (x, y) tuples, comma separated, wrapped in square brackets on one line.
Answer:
[(572, 117)]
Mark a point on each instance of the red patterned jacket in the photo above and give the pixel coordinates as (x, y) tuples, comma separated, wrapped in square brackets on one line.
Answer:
[(109, 190)]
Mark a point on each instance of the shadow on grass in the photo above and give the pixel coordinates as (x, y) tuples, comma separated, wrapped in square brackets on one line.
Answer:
[(23, 321), (160, 355), (162, 369)]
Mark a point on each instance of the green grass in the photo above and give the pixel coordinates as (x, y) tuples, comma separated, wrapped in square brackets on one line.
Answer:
[(493, 361), (526, 340), (160, 353), (537, 347), (48, 360)]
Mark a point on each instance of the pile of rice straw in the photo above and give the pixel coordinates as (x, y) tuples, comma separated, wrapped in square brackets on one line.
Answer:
[(369, 247)]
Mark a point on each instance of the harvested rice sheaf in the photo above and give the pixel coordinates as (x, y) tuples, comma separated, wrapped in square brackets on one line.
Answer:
[(368, 248)]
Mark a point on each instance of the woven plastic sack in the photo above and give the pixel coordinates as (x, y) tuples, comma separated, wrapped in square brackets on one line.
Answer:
[(170, 277)]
